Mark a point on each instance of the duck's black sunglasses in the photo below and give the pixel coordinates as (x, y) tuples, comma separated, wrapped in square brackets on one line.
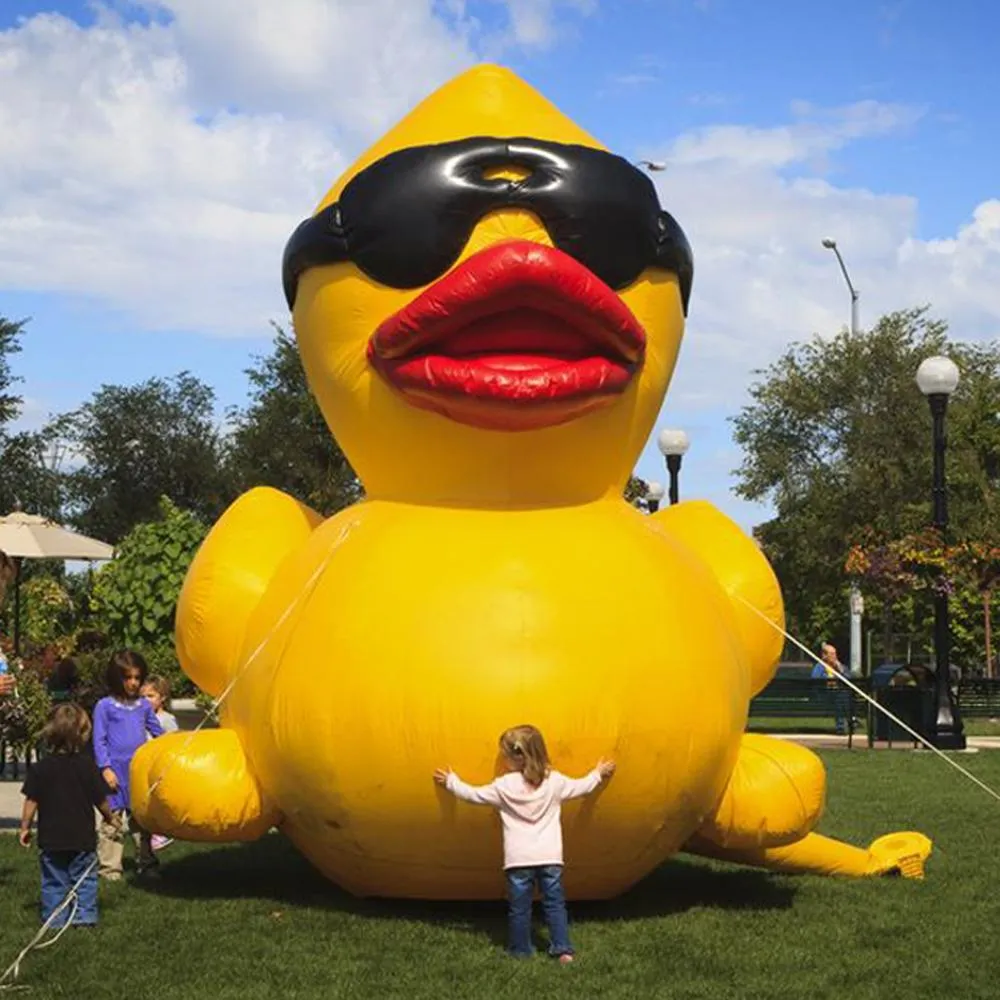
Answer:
[(404, 219)]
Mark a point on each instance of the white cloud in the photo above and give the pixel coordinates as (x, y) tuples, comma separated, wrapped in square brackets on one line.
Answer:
[(818, 132), (538, 23), (113, 185), (355, 64), (756, 213), (160, 167)]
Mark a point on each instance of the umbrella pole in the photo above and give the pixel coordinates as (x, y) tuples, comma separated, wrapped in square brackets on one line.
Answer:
[(17, 606)]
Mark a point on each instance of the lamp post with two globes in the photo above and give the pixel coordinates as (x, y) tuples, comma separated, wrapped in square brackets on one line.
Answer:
[(937, 378)]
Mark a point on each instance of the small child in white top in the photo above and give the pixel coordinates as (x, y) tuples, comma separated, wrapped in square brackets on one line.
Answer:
[(529, 798), (156, 691)]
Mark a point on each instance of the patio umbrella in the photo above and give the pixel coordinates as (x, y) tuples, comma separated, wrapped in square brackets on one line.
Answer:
[(28, 536)]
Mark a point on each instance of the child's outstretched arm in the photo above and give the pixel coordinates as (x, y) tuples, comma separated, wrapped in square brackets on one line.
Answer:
[(480, 795), (575, 788)]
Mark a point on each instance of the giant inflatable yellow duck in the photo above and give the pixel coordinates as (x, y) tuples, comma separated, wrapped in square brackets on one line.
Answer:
[(489, 307)]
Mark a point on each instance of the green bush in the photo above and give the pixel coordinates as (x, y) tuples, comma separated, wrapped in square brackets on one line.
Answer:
[(23, 716), (135, 595), (46, 611)]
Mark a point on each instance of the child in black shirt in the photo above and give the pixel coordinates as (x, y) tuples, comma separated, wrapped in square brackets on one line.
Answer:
[(64, 789)]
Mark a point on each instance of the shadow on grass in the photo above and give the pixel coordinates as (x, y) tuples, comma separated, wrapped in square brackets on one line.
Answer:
[(272, 869)]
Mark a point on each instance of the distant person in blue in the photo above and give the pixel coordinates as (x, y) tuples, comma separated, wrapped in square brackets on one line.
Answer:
[(827, 668)]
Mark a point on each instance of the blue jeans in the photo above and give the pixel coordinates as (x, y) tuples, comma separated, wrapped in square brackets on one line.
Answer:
[(60, 871), (841, 709), (520, 891)]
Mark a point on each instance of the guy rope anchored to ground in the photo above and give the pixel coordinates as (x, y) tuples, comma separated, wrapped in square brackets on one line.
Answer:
[(881, 708), (9, 978)]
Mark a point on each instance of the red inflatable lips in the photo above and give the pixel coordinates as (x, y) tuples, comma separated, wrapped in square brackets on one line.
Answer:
[(519, 336)]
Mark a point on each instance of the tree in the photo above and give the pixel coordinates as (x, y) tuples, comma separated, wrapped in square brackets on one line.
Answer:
[(281, 439), (636, 491), (137, 444), (28, 481), (838, 439)]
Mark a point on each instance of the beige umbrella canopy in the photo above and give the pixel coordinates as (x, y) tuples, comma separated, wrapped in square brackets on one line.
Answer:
[(28, 536)]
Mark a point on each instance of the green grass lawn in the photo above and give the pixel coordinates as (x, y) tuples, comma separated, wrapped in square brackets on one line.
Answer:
[(254, 922)]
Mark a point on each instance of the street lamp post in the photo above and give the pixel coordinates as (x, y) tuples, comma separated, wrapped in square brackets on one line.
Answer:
[(654, 494), (937, 378), (673, 446), (832, 245), (857, 605), (856, 602)]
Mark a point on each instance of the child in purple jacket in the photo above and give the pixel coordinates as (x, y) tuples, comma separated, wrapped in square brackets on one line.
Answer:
[(121, 722)]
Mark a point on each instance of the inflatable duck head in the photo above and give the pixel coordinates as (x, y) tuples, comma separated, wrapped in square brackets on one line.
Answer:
[(489, 304)]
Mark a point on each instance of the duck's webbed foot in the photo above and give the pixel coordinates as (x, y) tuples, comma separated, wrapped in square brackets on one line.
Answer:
[(765, 819)]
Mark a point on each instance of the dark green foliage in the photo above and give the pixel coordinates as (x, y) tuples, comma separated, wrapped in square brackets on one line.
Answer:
[(281, 439), (139, 443), (27, 458), (135, 595), (837, 439), (22, 717), (636, 491)]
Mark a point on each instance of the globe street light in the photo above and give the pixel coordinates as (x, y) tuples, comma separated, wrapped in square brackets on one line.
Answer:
[(673, 445), (654, 494), (832, 245), (937, 378)]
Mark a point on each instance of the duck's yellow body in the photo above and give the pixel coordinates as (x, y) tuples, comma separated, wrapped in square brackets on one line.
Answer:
[(438, 628), (493, 577)]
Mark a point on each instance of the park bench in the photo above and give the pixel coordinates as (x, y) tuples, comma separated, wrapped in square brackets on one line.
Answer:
[(979, 699), (805, 698)]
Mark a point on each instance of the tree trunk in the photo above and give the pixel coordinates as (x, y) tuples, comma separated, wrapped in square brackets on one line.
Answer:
[(988, 628)]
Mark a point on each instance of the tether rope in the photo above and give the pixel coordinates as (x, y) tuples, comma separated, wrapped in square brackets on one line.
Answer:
[(9, 977), (881, 708)]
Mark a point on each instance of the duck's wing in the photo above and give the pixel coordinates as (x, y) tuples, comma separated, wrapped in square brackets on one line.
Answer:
[(229, 575), (745, 575)]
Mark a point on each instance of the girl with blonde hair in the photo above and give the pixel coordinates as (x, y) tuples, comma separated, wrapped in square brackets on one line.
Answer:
[(529, 798)]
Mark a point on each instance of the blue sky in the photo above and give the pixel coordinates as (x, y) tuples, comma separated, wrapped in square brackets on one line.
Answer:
[(781, 123)]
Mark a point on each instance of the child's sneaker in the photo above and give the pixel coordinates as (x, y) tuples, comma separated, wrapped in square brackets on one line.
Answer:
[(158, 841)]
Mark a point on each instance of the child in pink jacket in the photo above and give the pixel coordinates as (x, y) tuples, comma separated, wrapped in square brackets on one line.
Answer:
[(529, 799)]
